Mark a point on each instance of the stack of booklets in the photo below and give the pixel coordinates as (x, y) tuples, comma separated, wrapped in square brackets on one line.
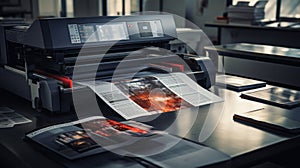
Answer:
[(277, 121), (243, 13)]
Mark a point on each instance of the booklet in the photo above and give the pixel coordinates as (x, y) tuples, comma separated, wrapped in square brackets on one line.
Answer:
[(238, 84), (79, 140), (265, 119), (153, 94), (277, 96), (88, 136)]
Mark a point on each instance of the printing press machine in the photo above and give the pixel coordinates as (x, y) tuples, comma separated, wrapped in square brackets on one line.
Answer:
[(47, 62), (39, 61)]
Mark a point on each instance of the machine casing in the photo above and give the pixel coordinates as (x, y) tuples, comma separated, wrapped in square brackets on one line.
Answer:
[(38, 60)]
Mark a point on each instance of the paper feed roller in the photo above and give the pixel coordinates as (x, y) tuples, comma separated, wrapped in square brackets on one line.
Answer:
[(199, 68)]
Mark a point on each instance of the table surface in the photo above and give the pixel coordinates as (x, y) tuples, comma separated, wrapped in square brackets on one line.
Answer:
[(283, 26), (268, 53), (211, 125)]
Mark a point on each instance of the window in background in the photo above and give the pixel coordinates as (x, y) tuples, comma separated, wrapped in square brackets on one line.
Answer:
[(49, 8), (70, 8), (114, 7), (100, 9), (290, 8), (135, 6), (118, 7), (53, 8)]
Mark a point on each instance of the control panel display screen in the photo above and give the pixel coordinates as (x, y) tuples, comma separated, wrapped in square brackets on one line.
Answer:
[(108, 32), (115, 31), (85, 33)]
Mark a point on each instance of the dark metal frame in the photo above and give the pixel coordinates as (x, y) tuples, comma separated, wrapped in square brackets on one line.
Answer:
[(18, 4), (63, 12), (10, 4)]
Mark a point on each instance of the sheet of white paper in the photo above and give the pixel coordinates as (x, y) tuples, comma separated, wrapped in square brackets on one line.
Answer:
[(9, 118), (187, 89), (117, 100), (178, 83)]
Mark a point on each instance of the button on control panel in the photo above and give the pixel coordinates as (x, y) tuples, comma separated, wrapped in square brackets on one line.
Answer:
[(74, 34)]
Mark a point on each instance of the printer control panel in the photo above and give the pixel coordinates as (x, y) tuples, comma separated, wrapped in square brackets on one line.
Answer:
[(114, 31)]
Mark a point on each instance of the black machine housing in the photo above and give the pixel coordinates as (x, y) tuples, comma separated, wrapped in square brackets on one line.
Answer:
[(38, 60)]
